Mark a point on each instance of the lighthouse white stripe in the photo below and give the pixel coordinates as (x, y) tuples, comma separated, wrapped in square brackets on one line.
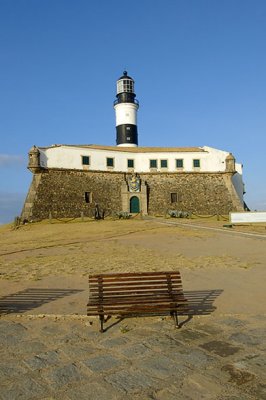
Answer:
[(126, 113)]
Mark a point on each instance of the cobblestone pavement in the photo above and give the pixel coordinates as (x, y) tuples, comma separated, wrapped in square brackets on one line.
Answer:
[(65, 357)]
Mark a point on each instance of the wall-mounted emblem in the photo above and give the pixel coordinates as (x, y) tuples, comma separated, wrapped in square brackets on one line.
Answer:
[(134, 183)]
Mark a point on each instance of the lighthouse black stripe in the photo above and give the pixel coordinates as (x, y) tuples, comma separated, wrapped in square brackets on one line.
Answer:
[(126, 133), (125, 98)]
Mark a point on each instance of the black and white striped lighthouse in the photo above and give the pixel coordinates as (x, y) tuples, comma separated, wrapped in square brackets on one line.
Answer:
[(126, 107)]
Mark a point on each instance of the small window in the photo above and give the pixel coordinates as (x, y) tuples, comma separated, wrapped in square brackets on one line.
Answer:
[(153, 163), (196, 163), (164, 163), (130, 163), (174, 197), (109, 162), (179, 163), (88, 197), (85, 160)]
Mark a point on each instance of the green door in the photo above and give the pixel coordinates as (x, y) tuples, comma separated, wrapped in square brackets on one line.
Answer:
[(134, 204)]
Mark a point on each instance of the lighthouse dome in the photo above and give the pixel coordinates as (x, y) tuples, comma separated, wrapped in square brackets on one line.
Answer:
[(125, 76)]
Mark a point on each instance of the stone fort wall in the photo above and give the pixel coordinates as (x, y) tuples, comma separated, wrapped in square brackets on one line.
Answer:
[(62, 192)]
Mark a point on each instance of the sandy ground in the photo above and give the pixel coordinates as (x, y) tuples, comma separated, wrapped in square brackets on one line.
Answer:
[(48, 345), (60, 256)]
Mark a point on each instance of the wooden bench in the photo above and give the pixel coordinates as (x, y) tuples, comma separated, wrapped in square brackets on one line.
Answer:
[(131, 294)]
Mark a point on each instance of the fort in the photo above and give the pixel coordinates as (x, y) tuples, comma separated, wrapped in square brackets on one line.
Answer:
[(71, 179)]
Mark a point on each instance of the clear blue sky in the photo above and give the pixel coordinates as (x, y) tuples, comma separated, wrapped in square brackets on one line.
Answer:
[(199, 68)]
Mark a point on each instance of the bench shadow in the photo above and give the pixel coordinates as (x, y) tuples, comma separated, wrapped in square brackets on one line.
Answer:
[(199, 302), (31, 298)]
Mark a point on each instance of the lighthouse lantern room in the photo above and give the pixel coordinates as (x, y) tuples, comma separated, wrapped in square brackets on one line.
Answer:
[(126, 107)]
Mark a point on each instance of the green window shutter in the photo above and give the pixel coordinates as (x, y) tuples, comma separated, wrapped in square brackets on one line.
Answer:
[(153, 163), (130, 163), (85, 160), (179, 163), (109, 162), (196, 163)]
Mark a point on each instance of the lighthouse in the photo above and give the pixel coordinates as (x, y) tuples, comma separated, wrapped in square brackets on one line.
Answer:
[(126, 107)]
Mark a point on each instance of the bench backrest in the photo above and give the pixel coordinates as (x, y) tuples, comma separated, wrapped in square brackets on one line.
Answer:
[(142, 285)]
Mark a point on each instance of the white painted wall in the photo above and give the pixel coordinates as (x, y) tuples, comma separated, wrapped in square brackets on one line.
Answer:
[(211, 160)]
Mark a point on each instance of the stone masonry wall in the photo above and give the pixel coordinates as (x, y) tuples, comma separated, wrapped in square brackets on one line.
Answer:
[(62, 192), (200, 193)]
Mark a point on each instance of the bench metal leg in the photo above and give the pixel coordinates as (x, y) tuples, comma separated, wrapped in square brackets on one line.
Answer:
[(101, 323), (175, 318)]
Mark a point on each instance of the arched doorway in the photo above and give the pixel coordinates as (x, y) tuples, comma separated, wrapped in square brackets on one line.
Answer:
[(134, 205)]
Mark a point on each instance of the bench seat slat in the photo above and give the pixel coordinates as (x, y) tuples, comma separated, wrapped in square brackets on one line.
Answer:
[(124, 275), (131, 300), (129, 306), (137, 301), (138, 280), (135, 309), (134, 283), (141, 288), (142, 297), (136, 294), (127, 300), (118, 310)]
